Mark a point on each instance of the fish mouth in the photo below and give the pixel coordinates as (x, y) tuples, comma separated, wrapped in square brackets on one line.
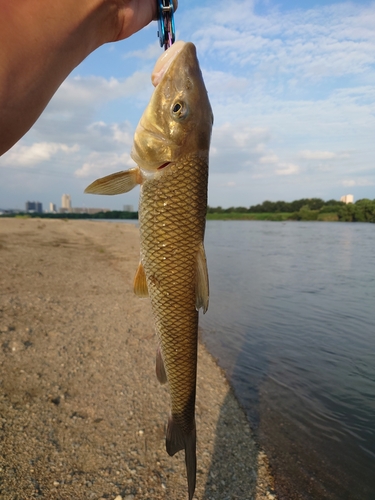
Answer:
[(164, 165), (164, 61)]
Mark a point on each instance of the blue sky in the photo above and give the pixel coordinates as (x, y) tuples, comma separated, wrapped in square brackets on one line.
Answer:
[(292, 87)]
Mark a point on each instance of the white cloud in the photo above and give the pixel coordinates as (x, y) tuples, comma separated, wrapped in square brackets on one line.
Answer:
[(349, 183), (73, 118), (101, 136), (249, 137), (101, 164), (237, 146), (269, 159), (151, 52), (330, 41), (38, 152), (122, 136), (287, 169), (317, 155), (221, 83), (357, 182), (95, 90)]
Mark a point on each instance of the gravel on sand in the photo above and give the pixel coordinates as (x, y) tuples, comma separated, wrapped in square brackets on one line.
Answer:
[(82, 415)]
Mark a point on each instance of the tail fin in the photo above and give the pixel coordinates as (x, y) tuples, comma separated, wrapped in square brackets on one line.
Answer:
[(177, 440)]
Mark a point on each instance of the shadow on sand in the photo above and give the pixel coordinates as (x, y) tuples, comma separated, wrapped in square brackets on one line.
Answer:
[(234, 468)]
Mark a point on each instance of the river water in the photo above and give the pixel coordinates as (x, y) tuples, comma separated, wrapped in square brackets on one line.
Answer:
[(292, 321)]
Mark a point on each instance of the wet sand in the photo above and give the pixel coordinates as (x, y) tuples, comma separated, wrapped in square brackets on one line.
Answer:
[(82, 415)]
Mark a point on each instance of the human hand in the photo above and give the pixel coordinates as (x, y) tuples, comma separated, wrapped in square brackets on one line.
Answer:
[(56, 37)]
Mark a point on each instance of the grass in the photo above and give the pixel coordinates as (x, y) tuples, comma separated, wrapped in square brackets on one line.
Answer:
[(328, 217)]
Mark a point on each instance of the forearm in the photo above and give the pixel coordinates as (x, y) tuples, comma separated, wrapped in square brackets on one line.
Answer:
[(42, 41)]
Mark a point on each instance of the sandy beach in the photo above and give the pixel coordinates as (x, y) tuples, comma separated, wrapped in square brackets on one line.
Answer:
[(82, 415)]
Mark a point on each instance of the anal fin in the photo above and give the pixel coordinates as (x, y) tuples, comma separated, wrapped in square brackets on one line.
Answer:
[(120, 182), (201, 285), (161, 374), (140, 283)]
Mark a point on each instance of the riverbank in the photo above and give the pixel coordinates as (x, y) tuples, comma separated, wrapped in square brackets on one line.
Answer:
[(82, 415)]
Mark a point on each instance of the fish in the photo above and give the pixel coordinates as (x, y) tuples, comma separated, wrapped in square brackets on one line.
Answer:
[(171, 152)]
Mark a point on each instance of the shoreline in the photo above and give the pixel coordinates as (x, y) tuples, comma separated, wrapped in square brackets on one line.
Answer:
[(82, 415)]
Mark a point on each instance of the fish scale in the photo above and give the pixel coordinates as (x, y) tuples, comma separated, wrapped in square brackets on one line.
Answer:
[(170, 236)]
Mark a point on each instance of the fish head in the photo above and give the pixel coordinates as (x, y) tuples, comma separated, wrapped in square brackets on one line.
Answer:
[(178, 119)]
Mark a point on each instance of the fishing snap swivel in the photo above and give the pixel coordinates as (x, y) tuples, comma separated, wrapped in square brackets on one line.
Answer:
[(166, 28)]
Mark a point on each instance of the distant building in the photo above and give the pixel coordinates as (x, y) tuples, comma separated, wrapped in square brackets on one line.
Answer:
[(52, 208), (128, 208), (66, 203), (30, 206), (347, 198), (85, 210), (34, 207)]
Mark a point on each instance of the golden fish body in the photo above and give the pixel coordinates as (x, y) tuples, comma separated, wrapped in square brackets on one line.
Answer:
[(172, 230), (171, 146)]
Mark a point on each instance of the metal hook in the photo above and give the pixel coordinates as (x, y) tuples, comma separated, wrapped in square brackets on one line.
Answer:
[(166, 27)]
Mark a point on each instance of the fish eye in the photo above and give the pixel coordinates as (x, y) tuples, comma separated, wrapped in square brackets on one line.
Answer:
[(179, 110)]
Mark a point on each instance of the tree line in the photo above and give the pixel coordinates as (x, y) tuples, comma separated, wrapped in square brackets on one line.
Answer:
[(279, 206), (309, 209), (360, 211)]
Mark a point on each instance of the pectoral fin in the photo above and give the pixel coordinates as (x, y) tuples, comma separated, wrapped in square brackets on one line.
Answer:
[(201, 285), (120, 182), (140, 283)]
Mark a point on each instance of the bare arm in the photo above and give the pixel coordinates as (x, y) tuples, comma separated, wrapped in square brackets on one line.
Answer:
[(42, 41)]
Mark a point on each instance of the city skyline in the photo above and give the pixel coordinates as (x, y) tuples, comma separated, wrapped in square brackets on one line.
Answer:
[(65, 207), (291, 88)]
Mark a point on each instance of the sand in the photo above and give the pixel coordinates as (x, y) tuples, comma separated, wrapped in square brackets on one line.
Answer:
[(82, 415)]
